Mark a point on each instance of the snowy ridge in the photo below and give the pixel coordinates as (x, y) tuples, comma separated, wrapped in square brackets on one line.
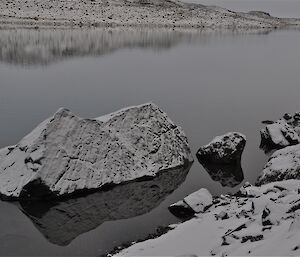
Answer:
[(102, 13)]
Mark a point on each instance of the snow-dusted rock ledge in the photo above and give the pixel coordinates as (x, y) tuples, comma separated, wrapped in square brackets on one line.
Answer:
[(281, 133), (283, 164), (66, 154)]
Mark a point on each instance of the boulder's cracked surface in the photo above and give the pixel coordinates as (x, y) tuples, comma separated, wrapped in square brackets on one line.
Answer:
[(67, 154), (62, 221)]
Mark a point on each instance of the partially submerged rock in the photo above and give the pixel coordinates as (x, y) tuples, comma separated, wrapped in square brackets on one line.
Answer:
[(282, 133), (62, 221), (225, 149), (221, 158), (196, 202), (68, 154), (283, 164)]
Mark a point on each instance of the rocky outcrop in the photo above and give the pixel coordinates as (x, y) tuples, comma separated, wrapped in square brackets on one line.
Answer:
[(225, 149), (67, 154), (62, 221), (281, 133), (196, 202), (283, 164)]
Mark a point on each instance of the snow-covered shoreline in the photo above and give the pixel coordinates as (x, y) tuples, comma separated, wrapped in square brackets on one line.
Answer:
[(259, 221), (149, 13)]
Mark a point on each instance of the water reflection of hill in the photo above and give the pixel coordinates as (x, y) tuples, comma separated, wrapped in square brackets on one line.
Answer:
[(41, 47), (61, 222)]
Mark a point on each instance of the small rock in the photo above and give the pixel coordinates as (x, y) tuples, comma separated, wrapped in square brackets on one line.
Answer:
[(199, 200), (225, 149), (196, 202)]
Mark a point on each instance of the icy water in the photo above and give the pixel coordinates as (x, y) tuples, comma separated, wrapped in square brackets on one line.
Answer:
[(208, 82)]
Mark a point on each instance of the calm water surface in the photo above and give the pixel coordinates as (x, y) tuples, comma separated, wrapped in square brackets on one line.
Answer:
[(209, 83)]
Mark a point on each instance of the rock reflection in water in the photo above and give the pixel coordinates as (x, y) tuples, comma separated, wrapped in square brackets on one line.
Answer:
[(227, 175), (62, 221), (46, 46)]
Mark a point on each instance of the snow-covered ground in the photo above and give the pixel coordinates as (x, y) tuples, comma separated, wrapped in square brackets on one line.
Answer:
[(263, 221), (171, 13)]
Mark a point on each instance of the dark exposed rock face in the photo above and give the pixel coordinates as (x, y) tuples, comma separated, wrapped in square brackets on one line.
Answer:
[(67, 154), (282, 133), (225, 149), (61, 222)]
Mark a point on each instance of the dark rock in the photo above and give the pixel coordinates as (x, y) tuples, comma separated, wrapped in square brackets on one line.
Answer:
[(225, 149), (181, 210)]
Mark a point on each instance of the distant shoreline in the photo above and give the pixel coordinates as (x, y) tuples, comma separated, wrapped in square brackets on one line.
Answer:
[(135, 13)]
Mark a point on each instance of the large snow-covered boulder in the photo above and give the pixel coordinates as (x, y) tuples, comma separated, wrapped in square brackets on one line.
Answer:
[(284, 132), (68, 154), (225, 149), (283, 164), (196, 202)]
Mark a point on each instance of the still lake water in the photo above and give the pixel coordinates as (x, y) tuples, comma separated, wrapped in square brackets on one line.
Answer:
[(208, 82)]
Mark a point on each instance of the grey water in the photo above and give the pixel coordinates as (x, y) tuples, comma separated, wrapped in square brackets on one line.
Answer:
[(208, 82)]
